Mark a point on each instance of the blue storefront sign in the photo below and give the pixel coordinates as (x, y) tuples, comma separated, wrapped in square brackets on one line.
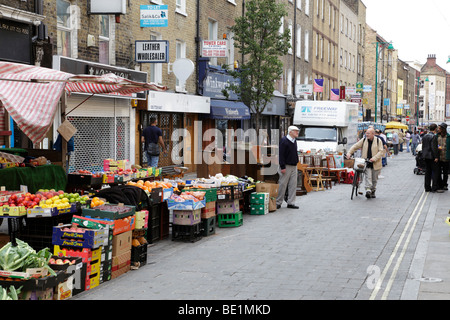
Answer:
[(154, 16)]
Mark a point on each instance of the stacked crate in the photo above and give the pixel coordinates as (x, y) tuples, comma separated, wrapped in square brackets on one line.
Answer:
[(118, 258), (186, 225), (139, 241), (229, 214), (259, 203), (208, 213)]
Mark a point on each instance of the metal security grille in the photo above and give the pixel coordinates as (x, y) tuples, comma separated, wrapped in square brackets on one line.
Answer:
[(99, 138)]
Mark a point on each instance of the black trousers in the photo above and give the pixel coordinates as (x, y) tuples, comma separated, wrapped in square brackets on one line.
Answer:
[(443, 168), (431, 175)]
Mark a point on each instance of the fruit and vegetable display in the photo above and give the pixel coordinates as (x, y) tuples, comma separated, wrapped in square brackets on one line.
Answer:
[(150, 185), (21, 257), (10, 293), (44, 199), (188, 195)]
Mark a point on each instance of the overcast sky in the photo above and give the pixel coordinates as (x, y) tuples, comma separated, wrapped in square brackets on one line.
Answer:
[(416, 28)]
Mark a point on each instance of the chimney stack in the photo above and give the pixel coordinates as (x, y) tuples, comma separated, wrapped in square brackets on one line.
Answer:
[(431, 60)]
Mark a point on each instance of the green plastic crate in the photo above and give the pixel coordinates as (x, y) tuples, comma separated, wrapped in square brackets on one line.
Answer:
[(227, 220)]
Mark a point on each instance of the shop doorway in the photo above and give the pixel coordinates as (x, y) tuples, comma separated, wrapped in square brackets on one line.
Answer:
[(168, 123)]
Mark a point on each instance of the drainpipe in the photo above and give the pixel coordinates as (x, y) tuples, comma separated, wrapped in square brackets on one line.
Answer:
[(197, 41)]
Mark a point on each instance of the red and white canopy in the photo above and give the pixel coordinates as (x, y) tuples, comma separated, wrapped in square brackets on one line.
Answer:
[(30, 94)]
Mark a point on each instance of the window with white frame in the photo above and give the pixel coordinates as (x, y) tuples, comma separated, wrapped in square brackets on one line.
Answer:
[(155, 68), (281, 30), (291, 37), (306, 45), (66, 16), (104, 39), (307, 7), (289, 82), (181, 7), (180, 54), (213, 28), (298, 42), (299, 4)]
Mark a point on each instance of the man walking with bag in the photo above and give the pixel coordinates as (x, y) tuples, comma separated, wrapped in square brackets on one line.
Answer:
[(288, 159), (152, 139)]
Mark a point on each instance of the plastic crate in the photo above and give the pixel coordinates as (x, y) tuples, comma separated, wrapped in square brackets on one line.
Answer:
[(187, 233), (112, 215), (209, 226), (227, 220)]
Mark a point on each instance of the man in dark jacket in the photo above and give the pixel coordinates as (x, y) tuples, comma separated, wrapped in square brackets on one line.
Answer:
[(288, 159), (430, 153), (443, 139)]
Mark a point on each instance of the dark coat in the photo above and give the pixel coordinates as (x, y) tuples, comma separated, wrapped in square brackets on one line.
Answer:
[(430, 146)]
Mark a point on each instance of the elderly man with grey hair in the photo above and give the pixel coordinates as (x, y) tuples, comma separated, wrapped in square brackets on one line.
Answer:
[(288, 159), (371, 149)]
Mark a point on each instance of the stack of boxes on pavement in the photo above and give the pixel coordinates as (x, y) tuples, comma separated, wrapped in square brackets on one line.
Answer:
[(102, 238), (229, 212), (259, 203)]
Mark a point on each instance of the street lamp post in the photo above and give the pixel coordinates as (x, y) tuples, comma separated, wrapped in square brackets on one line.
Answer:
[(390, 47)]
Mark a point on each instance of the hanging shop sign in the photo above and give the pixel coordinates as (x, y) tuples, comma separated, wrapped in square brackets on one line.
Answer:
[(154, 16), (18, 37), (303, 89), (152, 51), (76, 66), (215, 48)]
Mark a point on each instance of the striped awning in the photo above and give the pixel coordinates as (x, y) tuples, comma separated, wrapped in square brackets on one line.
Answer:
[(31, 94)]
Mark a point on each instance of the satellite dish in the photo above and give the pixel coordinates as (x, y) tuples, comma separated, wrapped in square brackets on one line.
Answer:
[(183, 69)]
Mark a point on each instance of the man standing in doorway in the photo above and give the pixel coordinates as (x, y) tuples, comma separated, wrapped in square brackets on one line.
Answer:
[(288, 159), (152, 139), (443, 139)]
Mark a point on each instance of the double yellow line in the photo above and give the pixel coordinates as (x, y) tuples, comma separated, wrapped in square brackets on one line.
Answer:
[(407, 232)]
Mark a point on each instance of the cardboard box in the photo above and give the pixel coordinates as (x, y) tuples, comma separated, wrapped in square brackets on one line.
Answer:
[(259, 198), (209, 210), (121, 264), (231, 206), (272, 204), (270, 188), (186, 217), (121, 243), (259, 209)]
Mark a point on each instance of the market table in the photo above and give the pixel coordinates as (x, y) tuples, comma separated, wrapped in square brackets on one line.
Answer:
[(35, 178)]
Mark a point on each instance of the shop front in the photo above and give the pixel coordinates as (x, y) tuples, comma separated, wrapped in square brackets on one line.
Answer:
[(105, 123), (177, 116), (16, 30)]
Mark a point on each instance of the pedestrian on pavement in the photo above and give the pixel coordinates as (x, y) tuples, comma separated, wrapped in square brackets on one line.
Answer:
[(408, 140), (288, 159), (372, 149), (415, 140), (443, 139), (152, 139), (386, 149), (430, 153), (401, 140), (395, 142)]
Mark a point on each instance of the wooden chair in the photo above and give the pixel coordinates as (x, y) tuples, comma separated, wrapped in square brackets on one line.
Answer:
[(315, 175), (333, 172)]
